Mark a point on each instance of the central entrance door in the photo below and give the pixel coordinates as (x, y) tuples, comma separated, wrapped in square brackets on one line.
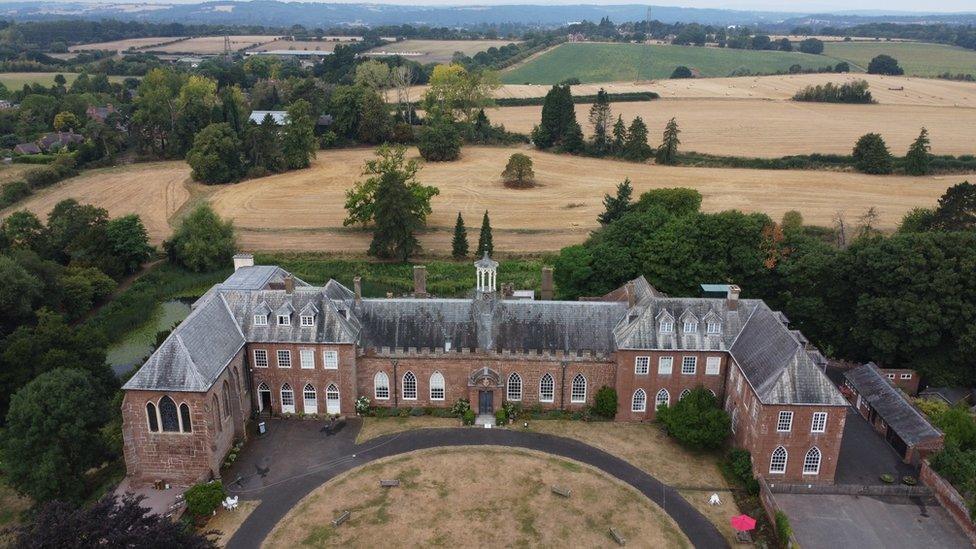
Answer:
[(485, 402)]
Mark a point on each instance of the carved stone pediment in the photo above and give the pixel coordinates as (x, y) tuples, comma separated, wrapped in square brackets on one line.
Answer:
[(484, 377)]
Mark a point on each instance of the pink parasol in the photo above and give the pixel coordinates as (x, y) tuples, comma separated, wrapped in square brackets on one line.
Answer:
[(743, 523)]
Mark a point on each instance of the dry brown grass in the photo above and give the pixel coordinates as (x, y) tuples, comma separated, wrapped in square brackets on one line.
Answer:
[(439, 51), (13, 172), (376, 427), (212, 44), (475, 497), (154, 191), (311, 45), (303, 210), (227, 522), (11, 507), (122, 45), (769, 129)]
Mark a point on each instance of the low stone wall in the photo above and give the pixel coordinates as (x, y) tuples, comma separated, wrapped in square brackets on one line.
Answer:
[(949, 498), (852, 489), (769, 504)]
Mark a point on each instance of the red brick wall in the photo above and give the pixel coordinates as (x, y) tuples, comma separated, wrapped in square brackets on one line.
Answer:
[(949, 498), (344, 377), (183, 459), (628, 381), (910, 386)]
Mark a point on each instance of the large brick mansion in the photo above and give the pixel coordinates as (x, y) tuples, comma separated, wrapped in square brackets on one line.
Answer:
[(263, 340)]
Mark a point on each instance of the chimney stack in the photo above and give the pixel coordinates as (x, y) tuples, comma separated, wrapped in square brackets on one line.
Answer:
[(733, 297), (419, 281), (631, 295), (546, 292), (357, 286), (243, 260), (289, 284)]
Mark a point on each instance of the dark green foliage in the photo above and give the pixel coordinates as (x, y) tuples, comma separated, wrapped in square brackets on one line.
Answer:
[(485, 245), (812, 46), (51, 438), (13, 192), (616, 206), (468, 417), (501, 417), (681, 71), (885, 64), (439, 140), (262, 147), (784, 44), (783, 529), (848, 92), (667, 153), (959, 427), (738, 465), (677, 201), (619, 136), (696, 421), (203, 499), (578, 99), (636, 148), (459, 244), (298, 136), (18, 294), (957, 208), (558, 119), (82, 287), (843, 66), (871, 155), (917, 220), (572, 141), (202, 242), (605, 402), (216, 155), (918, 159), (128, 242), (518, 172), (601, 118)]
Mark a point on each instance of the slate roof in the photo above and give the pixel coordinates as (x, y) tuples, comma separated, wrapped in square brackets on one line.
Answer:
[(890, 404), (280, 117), (950, 395)]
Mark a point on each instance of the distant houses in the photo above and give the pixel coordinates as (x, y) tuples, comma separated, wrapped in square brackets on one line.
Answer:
[(49, 142), (281, 118)]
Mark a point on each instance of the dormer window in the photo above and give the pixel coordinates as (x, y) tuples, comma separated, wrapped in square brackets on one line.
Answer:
[(307, 321), (284, 320), (260, 320), (667, 326), (691, 326), (714, 328)]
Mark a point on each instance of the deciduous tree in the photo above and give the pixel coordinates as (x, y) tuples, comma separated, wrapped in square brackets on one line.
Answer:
[(298, 136), (202, 242), (696, 420), (216, 155), (518, 172)]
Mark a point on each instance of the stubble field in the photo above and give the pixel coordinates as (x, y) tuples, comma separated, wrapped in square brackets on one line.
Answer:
[(437, 51)]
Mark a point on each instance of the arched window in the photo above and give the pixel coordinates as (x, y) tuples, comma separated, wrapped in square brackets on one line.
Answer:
[(215, 412), (578, 394), (409, 386), (777, 463), (185, 418), (811, 462), (436, 386), (713, 393), (332, 399), (287, 399), (683, 394), (381, 386), (514, 387), (735, 419), (663, 398), (639, 402), (309, 401), (226, 396), (264, 396), (168, 416), (151, 417), (546, 388)]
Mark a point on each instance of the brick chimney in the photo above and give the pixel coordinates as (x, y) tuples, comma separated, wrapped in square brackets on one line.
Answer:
[(357, 287), (733, 297), (546, 293), (419, 281), (243, 260), (631, 295), (289, 284)]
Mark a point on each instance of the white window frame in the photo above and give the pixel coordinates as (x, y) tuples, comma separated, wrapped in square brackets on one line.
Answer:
[(377, 386), (307, 321), (772, 461), (890, 376), (690, 326), (330, 360), (807, 470), (666, 326), (689, 362), (403, 385), (290, 392), (905, 376), (513, 387), (543, 397), (283, 353), (663, 370), (260, 320), (257, 362), (639, 405), (713, 328), (734, 419), (437, 384), (642, 365), (657, 399), (819, 418), (577, 397), (785, 418), (284, 320), (306, 358), (314, 399), (683, 394), (713, 365)]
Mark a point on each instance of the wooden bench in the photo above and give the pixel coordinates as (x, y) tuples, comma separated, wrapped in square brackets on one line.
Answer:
[(390, 483), (340, 519), (561, 491), (617, 536)]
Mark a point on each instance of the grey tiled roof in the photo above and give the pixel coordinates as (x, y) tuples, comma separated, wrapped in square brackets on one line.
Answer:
[(640, 329), (330, 326), (890, 404), (256, 278)]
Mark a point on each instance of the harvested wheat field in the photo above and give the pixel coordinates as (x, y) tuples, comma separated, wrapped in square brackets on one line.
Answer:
[(213, 44), (303, 210), (438, 489), (770, 129), (304, 45), (436, 51), (154, 191), (122, 45)]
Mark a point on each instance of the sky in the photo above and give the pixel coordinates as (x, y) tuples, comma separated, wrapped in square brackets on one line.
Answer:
[(806, 6)]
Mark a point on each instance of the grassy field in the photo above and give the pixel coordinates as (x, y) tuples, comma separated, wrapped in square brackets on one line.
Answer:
[(310, 45), (436, 490), (16, 80), (917, 58), (438, 51), (122, 45), (617, 62)]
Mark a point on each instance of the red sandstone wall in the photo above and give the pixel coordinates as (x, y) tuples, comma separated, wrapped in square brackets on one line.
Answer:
[(344, 377), (949, 498), (628, 381)]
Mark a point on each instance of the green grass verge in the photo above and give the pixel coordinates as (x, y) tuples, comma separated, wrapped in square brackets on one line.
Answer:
[(917, 58), (618, 62)]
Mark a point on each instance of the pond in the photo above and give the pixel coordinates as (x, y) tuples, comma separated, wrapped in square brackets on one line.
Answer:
[(129, 352)]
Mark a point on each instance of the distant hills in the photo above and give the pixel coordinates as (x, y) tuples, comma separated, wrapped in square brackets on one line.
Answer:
[(323, 15)]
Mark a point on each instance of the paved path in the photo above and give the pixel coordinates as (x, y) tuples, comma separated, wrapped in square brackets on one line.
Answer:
[(278, 494)]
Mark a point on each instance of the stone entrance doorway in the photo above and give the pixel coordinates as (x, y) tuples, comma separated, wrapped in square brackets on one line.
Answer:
[(486, 402)]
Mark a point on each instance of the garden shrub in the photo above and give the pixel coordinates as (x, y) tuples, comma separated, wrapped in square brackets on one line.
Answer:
[(417, 411), (738, 465), (501, 418), (381, 412), (362, 405), (203, 499), (605, 402), (468, 417), (13, 192), (461, 407), (512, 409), (696, 421), (42, 177), (783, 529)]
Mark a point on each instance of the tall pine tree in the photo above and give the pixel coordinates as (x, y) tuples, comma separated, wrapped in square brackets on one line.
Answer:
[(459, 245), (667, 153), (600, 118), (918, 158), (616, 206), (484, 239), (558, 118), (636, 148), (619, 136)]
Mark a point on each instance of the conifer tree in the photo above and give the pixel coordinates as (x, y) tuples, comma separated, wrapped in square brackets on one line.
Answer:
[(616, 206), (558, 118), (871, 155), (459, 245), (667, 153), (573, 139), (484, 239), (636, 148), (600, 117), (918, 157), (619, 136)]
